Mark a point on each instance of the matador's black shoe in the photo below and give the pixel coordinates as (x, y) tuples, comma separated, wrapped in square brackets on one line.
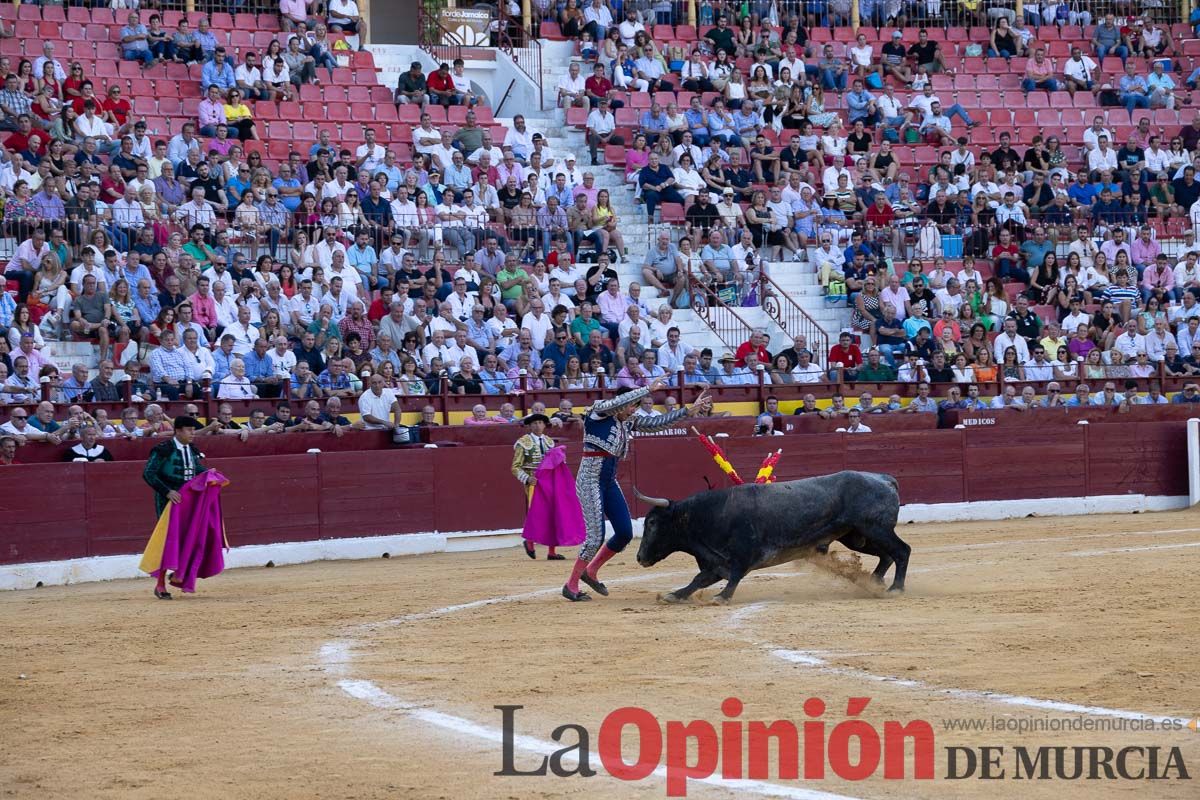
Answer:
[(599, 587), (530, 550), (575, 597), (555, 557), (162, 595)]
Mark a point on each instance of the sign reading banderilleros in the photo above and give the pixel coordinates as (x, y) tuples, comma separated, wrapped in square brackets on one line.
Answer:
[(465, 26)]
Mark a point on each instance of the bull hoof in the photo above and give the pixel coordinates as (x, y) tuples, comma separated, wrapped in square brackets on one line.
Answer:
[(896, 589), (719, 600), (672, 599)]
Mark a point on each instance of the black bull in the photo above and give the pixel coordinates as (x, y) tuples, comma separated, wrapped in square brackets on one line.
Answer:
[(733, 531)]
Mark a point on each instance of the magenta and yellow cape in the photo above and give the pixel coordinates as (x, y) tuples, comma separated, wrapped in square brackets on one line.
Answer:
[(190, 534)]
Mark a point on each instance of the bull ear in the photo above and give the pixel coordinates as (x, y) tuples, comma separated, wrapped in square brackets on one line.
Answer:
[(658, 502)]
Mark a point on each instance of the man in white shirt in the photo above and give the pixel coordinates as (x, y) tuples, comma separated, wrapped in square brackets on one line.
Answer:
[(597, 20), (200, 359), (90, 124), (303, 308), (339, 298), (282, 359), (443, 152), (328, 245), (538, 323), (1039, 368), (1130, 342), (227, 307), (672, 352), (487, 147), (1102, 157), (39, 63), (556, 297), (344, 17), (244, 334), (378, 405), (1077, 317), (633, 319), (87, 266), (369, 156), (426, 137), (571, 91), (600, 126), (1156, 341), (338, 268), (828, 260), (249, 79), (520, 138), (127, 213), (196, 211), (805, 371), (1079, 73), (630, 26), (1010, 338)]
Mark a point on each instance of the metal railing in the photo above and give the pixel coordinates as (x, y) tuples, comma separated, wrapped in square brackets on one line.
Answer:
[(435, 38), (523, 48), (721, 318), (789, 316)]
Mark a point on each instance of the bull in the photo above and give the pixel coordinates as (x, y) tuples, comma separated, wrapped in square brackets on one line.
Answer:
[(731, 532)]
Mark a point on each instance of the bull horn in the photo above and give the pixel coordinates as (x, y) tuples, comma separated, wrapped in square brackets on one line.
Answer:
[(659, 502)]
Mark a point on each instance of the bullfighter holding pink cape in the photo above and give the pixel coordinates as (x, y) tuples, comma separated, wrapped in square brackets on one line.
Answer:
[(554, 516), (190, 533)]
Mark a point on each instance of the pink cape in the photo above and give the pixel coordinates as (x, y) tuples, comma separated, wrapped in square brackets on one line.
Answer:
[(555, 516), (194, 533)]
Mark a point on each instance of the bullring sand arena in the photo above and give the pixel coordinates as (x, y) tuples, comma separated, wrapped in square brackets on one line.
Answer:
[(378, 679)]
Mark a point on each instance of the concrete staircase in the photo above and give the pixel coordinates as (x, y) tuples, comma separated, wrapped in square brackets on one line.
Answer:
[(796, 279)]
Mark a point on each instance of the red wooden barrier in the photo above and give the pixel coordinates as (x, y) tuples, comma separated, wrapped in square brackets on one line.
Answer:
[(57, 511), (1039, 417)]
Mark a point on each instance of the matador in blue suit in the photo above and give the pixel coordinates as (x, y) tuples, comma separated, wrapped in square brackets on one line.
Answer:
[(607, 430)]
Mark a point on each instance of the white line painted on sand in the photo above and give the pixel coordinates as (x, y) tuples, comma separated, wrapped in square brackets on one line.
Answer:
[(953, 548), (335, 656), (809, 659), (372, 694), (1087, 553)]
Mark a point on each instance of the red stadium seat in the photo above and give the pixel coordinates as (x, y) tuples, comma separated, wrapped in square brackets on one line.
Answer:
[(672, 213), (338, 112), (278, 148)]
